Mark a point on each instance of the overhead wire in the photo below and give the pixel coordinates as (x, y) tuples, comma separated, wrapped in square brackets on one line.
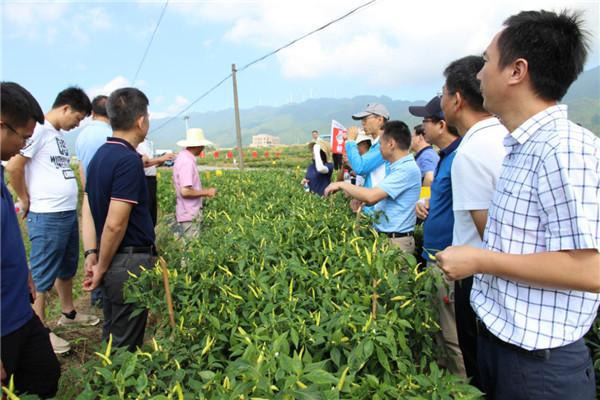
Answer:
[(162, 13), (346, 15)]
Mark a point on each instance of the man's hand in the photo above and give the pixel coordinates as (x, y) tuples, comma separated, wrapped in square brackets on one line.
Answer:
[(93, 277), (353, 132), (24, 206), (167, 157), (332, 188), (422, 208), (355, 205), (211, 192), (304, 182), (460, 262), (31, 286), (90, 260)]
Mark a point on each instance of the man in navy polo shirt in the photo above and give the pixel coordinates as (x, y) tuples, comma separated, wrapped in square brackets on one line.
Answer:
[(439, 217), (118, 234), (27, 354)]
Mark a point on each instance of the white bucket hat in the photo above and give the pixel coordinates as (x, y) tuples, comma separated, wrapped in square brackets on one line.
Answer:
[(194, 137)]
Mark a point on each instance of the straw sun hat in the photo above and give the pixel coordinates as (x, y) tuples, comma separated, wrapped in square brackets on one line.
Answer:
[(194, 137)]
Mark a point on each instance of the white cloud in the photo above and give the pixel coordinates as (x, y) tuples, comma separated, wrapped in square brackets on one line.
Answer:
[(388, 43), (50, 21), (172, 109), (107, 88)]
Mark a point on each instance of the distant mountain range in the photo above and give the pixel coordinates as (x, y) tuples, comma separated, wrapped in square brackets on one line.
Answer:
[(294, 122)]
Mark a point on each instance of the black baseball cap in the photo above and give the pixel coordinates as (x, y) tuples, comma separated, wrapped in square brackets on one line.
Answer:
[(433, 109)]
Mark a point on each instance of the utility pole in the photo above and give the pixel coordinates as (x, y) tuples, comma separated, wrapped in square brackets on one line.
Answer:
[(238, 131), (187, 122)]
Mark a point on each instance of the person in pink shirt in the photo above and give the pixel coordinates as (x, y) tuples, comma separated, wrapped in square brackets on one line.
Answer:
[(188, 188)]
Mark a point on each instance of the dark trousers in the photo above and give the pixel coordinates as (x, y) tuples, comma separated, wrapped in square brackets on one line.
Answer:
[(466, 328), (27, 354), (126, 330), (338, 161), (151, 183), (564, 373)]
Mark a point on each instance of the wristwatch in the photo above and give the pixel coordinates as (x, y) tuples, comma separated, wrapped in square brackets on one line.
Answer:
[(90, 251)]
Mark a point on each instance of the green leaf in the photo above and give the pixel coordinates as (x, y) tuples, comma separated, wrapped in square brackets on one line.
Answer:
[(321, 377)]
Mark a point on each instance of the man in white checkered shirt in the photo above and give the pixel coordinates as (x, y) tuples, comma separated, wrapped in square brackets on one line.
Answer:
[(536, 286)]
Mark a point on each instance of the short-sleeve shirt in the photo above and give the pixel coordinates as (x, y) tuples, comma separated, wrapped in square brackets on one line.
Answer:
[(185, 173), (402, 184), (89, 140), (116, 172), (147, 148), (475, 172), (427, 160), (317, 182), (16, 310), (547, 199), (438, 226), (50, 180)]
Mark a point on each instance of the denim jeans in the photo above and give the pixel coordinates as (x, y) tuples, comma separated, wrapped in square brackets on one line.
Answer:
[(54, 247)]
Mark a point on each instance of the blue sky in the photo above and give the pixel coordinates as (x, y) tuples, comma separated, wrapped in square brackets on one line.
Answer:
[(389, 48)]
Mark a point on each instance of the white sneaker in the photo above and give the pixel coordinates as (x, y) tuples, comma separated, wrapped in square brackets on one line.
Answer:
[(80, 319), (59, 345)]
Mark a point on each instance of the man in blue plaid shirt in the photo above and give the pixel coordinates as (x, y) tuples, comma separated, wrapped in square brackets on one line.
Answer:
[(535, 288)]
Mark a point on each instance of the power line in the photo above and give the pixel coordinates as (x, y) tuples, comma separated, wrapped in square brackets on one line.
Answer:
[(261, 59), (192, 103), (307, 35), (162, 13)]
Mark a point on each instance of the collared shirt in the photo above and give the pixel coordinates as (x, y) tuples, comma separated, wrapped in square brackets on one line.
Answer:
[(402, 183), (427, 160), (16, 310), (116, 172), (437, 228), (50, 180), (185, 173), (89, 140), (475, 172), (547, 199)]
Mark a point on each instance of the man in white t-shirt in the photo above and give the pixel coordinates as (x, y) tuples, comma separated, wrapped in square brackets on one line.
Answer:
[(146, 149), (475, 171), (47, 188)]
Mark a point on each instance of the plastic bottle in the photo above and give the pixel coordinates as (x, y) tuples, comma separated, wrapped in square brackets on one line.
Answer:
[(306, 187), (346, 176)]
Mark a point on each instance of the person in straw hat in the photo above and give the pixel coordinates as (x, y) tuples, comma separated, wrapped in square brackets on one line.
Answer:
[(318, 173), (188, 188)]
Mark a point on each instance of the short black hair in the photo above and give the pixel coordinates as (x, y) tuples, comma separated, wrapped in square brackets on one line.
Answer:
[(125, 106), (99, 105), (419, 130), (75, 98), (461, 76), (315, 131), (554, 45), (18, 106), (399, 132)]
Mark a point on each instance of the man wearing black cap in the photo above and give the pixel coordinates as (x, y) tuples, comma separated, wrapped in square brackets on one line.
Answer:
[(439, 218), (370, 165)]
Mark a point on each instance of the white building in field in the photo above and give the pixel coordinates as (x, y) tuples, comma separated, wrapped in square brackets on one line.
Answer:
[(263, 140)]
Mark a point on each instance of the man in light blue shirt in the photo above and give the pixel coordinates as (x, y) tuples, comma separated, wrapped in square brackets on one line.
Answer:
[(93, 135), (398, 190)]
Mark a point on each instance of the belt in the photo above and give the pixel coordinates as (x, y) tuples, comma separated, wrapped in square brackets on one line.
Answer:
[(483, 331), (397, 234), (138, 250)]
